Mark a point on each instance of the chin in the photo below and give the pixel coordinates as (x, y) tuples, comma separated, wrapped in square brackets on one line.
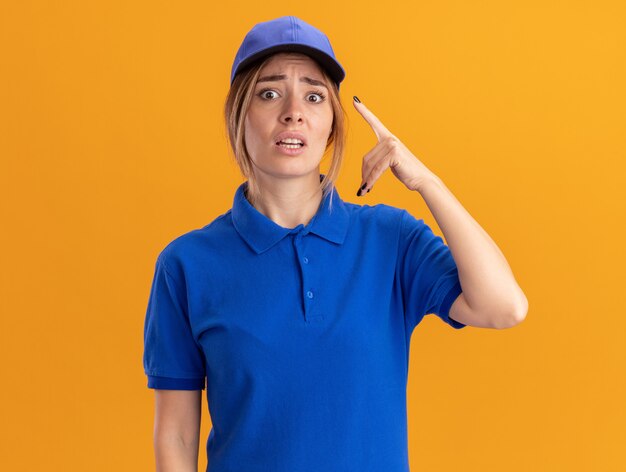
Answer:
[(286, 168)]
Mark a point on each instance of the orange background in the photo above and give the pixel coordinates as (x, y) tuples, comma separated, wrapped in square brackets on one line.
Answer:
[(112, 144)]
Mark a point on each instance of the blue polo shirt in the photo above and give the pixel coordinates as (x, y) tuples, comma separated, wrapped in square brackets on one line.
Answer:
[(302, 334)]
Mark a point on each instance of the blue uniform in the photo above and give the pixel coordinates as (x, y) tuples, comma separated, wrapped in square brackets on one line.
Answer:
[(302, 334)]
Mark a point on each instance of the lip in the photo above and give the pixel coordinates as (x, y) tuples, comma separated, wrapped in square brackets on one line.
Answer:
[(290, 134), (289, 152)]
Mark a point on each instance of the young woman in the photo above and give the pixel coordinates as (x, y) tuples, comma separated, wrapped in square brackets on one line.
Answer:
[(295, 306)]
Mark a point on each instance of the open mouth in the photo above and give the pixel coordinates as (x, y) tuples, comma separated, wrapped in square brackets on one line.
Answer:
[(290, 149), (290, 145)]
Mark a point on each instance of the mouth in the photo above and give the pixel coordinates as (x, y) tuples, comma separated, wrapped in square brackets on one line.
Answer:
[(290, 145), (291, 137), (290, 149)]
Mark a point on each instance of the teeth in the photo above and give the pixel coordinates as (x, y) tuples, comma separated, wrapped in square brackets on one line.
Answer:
[(292, 141)]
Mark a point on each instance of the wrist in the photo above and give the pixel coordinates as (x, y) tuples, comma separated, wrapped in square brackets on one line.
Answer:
[(428, 181)]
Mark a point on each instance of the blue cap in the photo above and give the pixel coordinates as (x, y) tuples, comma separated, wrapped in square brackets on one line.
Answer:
[(287, 33)]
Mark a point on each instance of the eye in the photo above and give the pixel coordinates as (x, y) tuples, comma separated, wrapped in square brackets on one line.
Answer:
[(319, 94), (263, 93)]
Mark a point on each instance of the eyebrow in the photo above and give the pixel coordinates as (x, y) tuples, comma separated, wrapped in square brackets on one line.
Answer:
[(277, 77)]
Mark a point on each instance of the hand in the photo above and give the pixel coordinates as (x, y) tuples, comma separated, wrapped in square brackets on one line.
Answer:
[(390, 152)]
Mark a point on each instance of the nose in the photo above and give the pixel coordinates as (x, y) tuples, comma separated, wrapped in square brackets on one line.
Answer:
[(293, 110)]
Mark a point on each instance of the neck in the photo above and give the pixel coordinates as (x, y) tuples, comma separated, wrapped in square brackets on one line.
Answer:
[(289, 202)]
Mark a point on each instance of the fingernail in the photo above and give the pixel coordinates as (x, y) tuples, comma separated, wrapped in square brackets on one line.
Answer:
[(356, 99), (369, 189), (358, 194), (364, 185)]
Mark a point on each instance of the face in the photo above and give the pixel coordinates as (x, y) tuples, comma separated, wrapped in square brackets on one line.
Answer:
[(288, 104)]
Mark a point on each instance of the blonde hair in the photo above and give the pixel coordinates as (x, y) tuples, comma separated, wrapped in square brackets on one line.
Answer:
[(236, 107)]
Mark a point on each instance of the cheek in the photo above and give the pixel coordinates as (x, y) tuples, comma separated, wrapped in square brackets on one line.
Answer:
[(324, 127), (251, 132), (258, 121)]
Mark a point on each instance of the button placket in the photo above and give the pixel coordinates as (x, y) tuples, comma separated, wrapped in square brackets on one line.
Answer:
[(308, 292)]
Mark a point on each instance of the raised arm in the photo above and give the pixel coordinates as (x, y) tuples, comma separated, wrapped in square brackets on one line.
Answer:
[(490, 294)]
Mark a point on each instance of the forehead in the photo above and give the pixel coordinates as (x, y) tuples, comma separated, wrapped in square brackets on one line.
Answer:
[(283, 60)]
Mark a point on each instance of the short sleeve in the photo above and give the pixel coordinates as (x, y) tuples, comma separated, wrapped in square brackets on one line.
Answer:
[(172, 359), (427, 272)]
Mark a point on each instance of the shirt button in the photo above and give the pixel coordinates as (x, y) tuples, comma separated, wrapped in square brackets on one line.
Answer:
[(306, 260), (309, 294)]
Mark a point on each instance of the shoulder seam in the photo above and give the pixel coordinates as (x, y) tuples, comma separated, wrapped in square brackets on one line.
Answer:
[(165, 267)]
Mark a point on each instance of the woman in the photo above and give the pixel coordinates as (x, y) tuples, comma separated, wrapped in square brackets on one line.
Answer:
[(298, 307)]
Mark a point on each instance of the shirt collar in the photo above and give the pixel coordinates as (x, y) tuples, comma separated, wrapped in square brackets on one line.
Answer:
[(261, 233)]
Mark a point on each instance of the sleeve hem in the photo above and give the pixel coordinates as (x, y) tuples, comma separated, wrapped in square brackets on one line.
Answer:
[(171, 383), (448, 299)]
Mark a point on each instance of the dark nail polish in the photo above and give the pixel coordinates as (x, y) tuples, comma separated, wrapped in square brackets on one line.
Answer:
[(356, 99), (368, 190), (358, 194), (364, 185)]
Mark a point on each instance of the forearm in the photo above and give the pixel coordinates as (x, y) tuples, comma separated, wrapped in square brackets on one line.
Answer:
[(172, 454), (488, 283)]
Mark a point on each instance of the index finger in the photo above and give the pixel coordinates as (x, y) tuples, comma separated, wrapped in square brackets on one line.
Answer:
[(379, 129)]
